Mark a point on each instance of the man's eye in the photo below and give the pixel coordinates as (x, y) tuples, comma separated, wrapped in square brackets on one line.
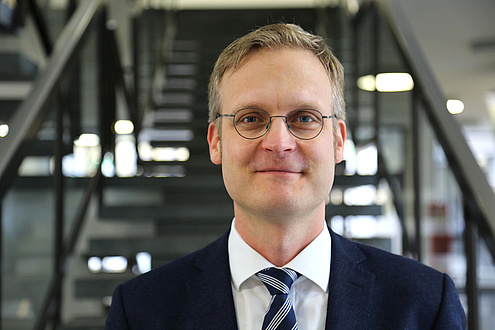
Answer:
[(305, 119), (250, 119)]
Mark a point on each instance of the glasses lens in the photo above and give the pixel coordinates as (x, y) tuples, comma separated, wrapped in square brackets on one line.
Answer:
[(305, 124), (251, 123)]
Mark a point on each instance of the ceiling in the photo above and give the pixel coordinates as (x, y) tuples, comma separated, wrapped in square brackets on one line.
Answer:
[(458, 39)]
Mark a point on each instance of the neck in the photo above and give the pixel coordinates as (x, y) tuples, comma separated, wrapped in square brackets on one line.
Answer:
[(279, 240)]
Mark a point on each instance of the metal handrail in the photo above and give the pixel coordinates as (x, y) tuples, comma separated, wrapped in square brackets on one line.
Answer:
[(28, 119), (49, 305)]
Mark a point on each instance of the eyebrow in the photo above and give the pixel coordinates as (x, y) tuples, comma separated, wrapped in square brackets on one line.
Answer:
[(298, 106)]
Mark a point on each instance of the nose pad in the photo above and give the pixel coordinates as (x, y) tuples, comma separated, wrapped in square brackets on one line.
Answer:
[(284, 120), (280, 140)]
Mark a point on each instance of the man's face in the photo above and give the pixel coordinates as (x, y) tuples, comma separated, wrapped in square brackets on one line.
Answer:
[(277, 174)]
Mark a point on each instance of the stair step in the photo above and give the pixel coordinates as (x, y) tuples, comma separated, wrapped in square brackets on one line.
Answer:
[(188, 214), (355, 180), (84, 323), (159, 247), (380, 243), (345, 210), (16, 68), (99, 285), (210, 183)]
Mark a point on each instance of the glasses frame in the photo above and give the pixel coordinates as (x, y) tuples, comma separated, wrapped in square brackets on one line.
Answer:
[(232, 115)]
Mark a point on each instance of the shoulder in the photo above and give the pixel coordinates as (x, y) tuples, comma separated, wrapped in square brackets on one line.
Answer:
[(157, 299), (170, 276), (381, 263), (403, 290)]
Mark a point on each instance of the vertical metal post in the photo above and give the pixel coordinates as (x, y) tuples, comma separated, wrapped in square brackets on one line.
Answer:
[(471, 253), (41, 25), (376, 68), (136, 51), (74, 92), (106, 90), (416, 134), (355, 74), (59, 206), (1, 256)]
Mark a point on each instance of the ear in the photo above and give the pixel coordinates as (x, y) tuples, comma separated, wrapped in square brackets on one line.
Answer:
[(340, 141), (215, 144)]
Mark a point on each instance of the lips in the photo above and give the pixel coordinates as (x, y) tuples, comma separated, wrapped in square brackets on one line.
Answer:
[(279, 170)]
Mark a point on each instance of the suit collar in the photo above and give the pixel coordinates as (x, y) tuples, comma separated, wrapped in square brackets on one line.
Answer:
[(210, 303), (350, 288)]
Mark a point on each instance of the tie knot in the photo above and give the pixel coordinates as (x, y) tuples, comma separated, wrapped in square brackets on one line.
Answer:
[(277, 280)]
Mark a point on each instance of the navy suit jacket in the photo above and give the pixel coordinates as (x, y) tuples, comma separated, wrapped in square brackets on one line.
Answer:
[(368, 289)]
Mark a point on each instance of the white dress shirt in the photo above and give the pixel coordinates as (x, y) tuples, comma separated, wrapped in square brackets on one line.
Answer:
[(309, 293)]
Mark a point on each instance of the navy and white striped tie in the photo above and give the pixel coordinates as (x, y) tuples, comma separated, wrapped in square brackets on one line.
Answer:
[(280, 313)]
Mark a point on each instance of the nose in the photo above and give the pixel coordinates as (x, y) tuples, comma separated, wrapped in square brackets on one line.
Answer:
[(278, 138)]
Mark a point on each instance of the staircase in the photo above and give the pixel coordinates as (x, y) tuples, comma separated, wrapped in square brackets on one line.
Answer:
[(176, 203)]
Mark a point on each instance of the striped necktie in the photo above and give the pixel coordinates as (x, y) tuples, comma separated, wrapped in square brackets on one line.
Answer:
[(280, 314)]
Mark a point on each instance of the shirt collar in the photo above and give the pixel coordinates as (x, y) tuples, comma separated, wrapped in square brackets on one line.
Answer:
[(313, 262)]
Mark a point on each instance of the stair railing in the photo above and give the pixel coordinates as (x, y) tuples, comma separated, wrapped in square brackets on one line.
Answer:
[(477, 194), (26, 122)]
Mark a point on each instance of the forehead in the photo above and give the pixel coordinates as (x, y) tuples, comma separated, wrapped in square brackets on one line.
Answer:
[(281, 77)]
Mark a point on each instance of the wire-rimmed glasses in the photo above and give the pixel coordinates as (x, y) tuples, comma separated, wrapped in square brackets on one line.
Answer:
[(253, 123)]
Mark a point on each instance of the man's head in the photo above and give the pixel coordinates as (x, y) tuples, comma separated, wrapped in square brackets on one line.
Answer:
[(271, 37), (285, 172)]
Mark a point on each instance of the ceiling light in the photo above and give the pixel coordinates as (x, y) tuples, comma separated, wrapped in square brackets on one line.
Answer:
[(394, 82), (455, 106), (490, 103), (4, 130), (366, 83), (124, 127), (114, 264), (87, 140)]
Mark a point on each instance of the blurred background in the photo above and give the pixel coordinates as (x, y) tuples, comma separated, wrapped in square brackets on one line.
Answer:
[(104, 165)]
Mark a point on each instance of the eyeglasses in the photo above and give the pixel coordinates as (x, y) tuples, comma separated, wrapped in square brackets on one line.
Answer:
[(252, 123)]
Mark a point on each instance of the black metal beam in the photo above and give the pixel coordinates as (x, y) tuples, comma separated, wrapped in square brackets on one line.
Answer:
[(416, 143), (106, 84), (28, 119), (50, 306), (470, 247), (41, 27)]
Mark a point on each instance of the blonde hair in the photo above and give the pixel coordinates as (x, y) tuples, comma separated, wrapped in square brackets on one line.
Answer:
[(271, 37)]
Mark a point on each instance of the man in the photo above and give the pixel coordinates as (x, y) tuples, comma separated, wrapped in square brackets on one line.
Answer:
[(277, 128)]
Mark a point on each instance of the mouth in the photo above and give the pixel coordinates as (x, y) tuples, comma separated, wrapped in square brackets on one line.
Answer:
[(279, 170)]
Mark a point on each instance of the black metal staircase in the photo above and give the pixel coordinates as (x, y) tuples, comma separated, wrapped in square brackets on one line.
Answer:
[(174, 204)]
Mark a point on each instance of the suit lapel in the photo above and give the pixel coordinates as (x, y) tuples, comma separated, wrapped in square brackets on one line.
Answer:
[(209, 301), (350, 288)]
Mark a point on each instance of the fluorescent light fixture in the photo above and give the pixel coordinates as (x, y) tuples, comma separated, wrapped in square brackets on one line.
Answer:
[(87, 140), (143, 260), (124, 127), (361, 195), (117, 264), (169, 154), (490, 104), (366, 83), (4, 130), (162, 154), (394, 82), (455, 106), (94, 264)]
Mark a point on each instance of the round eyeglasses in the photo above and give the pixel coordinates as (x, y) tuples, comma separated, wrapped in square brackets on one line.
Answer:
[(252, 123)]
